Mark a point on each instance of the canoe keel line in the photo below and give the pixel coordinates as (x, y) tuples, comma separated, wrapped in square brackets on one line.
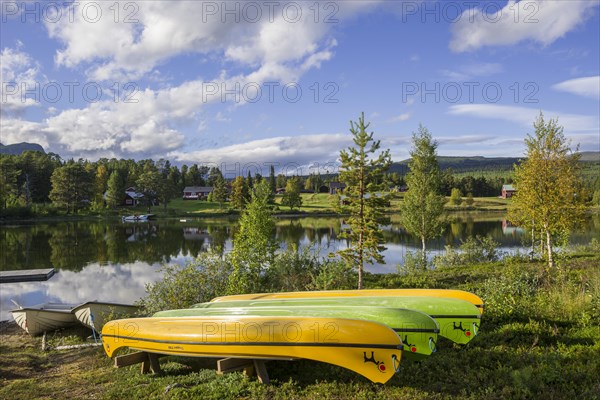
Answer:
[(365, 347)]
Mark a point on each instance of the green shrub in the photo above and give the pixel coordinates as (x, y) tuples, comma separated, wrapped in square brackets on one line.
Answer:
[(333, 275), (511, 294), (473, 250), (292, 270), (413, 262), (181, 287)]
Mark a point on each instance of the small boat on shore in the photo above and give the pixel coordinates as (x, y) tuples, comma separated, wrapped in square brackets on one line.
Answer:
[(41, 318), (365, 347), (94, 314), (445, 293), (137, 218), (417, 330), (458, 320)]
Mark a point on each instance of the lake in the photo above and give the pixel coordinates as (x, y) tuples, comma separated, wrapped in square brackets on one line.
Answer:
[(113, 261)]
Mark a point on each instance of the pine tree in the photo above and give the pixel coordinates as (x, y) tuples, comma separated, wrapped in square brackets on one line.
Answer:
[(423, 206), (364, 198), (549, 195)]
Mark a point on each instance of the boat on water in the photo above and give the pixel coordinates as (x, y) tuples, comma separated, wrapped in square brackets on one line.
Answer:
[(40, 318), (417, 330), (137, 218), (458, 319), (94, 314), (365, 347), (446, 293)]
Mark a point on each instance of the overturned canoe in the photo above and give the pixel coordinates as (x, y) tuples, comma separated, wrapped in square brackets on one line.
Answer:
[(40, 318), (417, 330), (94, 314), (458, 320), (365, 347), (445, 293)]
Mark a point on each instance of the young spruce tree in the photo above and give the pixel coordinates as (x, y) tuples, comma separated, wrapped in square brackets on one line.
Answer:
[(364, 198)]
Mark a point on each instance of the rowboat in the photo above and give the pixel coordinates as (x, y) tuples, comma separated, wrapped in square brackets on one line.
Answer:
[(365, 347), (137, 218), (40, 318), (446, 293), (95, 314), (458, 320), (417, 330)]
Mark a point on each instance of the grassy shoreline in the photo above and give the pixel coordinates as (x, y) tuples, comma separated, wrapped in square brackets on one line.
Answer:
[(539, 339), (313, 205)]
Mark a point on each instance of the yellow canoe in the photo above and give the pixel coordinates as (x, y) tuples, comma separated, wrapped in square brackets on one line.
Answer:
[(447, 293), (365, 347)]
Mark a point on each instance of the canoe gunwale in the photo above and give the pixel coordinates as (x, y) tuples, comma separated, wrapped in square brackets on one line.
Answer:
[(274, 344)]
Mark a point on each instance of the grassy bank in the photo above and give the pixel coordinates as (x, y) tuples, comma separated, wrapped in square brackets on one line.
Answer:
[(540, 338)]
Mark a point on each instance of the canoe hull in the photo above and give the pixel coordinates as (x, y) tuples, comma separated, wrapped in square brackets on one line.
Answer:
[(444, 293), (367, 348), (418, 331), (458, 320), (95, 315), (39, 319)]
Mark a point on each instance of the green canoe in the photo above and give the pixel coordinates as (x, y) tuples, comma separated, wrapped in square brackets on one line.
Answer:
[(458, 319), (417, 330)]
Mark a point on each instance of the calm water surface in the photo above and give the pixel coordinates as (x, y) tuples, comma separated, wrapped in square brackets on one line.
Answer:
[(113, 261)]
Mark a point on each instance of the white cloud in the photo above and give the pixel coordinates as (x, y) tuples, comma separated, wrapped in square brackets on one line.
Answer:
[(165, 29), (401, 117), (470, 71), (526, 116), (586, 87), (543, 21), (284, 151), (18, 73)]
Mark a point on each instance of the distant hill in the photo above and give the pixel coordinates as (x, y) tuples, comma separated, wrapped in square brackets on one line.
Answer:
[(479, 163), (590, 156), (19, 148), (465, 164)]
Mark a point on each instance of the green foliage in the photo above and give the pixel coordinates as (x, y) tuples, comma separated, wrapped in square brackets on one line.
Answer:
[(72, 187), (181, 287), (456, 197), (239, 193), (469, 200), (596, 198), (471, 251), (254, 245), (9, 191), (116, 189), (291, 197), (364, 198), (549, 193), (423, 206), (219, 193), (413, 262), (149, 183), (292, 270), (332, 275)]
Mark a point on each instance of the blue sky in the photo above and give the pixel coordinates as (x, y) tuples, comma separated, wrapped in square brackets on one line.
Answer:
[(254, 83)]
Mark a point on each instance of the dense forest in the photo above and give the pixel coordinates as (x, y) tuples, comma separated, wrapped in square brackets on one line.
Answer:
[(35, 177)]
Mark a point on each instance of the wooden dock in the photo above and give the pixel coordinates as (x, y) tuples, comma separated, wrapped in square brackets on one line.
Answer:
[(26, 275)]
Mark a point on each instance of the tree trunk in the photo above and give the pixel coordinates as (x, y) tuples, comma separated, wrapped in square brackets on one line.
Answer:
[(532, 242), (549, 245), (360, 262), (424, 255)]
